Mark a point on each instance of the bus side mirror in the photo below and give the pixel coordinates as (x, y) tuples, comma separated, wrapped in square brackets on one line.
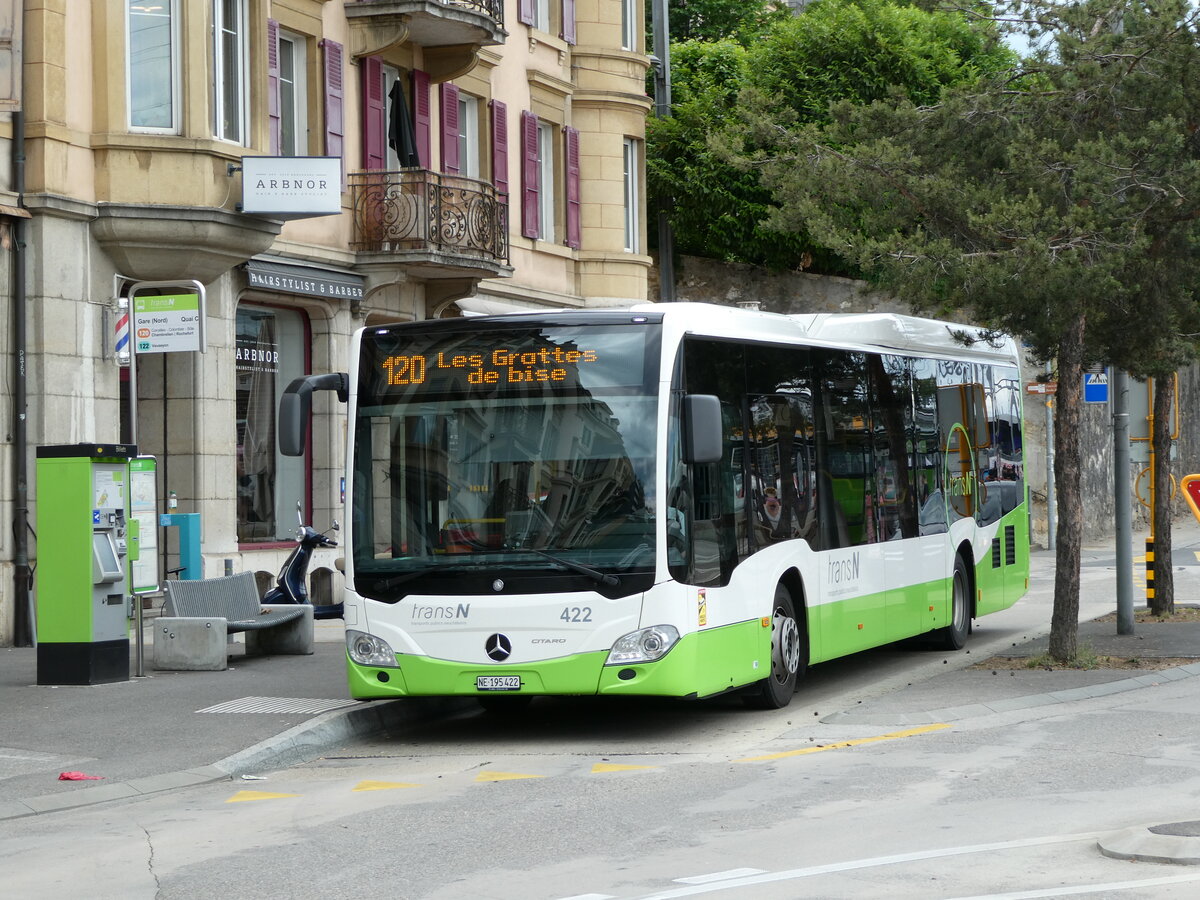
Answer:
[(295, 407), (702, 430)]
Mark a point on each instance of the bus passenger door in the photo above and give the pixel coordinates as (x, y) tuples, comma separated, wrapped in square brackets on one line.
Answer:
[(909, 502)]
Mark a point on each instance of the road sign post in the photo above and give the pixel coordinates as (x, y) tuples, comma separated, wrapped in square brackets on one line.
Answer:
[(161, 323)]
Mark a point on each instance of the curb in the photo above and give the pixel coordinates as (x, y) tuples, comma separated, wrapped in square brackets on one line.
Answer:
[(299, 744), (1177, 843)]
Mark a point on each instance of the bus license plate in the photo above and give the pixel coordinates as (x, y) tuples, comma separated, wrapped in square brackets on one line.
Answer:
[(498, 683)]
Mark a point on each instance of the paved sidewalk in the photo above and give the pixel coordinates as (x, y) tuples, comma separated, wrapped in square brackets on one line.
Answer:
[(172, 729)]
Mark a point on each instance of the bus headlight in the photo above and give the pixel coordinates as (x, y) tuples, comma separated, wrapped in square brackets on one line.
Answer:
[(368, 650), (643, 646)]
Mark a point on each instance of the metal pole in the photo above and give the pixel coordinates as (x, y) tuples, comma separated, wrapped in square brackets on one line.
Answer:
[(1122, 499), (662, 109), (132, 431), (1150, 539), (1051, 501), (24, 614)]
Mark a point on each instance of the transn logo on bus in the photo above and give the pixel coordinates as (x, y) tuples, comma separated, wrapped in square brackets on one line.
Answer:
[(441, 613)]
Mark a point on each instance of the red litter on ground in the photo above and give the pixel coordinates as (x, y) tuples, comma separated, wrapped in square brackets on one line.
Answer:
[(78, 776)]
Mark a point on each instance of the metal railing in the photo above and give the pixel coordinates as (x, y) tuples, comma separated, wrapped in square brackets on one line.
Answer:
[(420, 210), (493, 8)]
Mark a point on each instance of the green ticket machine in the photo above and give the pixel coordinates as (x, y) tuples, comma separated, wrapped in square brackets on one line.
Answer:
[(85, 540)]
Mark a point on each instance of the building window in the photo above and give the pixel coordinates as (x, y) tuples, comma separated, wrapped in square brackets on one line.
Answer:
[(229, 52), (393, 108), (541, 15), (468, 135), (629, 25), (545, 146), (293, 95), (632, 196), (272, 349), (153, 66)]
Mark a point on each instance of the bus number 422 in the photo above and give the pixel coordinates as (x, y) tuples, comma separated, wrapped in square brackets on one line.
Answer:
[(577, 614)]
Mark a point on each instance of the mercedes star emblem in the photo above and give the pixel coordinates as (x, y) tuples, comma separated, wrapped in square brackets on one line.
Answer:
[(498, 647)]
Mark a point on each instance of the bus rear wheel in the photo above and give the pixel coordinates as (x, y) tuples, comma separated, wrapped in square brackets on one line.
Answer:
[(789, 656)]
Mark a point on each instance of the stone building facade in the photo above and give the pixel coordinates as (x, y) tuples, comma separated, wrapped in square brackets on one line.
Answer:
[(490, 157)]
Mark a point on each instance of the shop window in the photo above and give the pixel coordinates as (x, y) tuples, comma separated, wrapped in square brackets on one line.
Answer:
[(272, 349)]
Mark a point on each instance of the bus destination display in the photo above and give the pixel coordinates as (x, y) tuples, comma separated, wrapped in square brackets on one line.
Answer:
[(502, 366)]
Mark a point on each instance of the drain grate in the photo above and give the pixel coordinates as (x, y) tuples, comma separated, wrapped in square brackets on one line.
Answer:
[(292, 705)]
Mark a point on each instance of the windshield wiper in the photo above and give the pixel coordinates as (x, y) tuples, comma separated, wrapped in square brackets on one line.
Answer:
[(396, 580), (594, 574)]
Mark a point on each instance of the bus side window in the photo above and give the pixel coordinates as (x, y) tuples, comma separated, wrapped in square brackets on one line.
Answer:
[(892, 406), (781, 479), (927, 454), (845, 474)]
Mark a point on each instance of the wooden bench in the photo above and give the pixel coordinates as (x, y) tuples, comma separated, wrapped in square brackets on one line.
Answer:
[(192, 634)]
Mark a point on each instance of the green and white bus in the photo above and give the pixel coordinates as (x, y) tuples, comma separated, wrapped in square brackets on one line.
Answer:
[(678, 500)]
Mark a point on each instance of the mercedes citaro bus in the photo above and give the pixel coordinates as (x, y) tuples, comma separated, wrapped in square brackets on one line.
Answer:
[(678, 500)]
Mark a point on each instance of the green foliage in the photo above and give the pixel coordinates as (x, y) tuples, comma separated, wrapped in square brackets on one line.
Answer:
[(1025, 201), (718, 209), (715, 20), (862, 50), (855, 50)]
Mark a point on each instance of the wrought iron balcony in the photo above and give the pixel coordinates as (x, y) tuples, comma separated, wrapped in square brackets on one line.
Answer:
[(448, 27), (438, 223)]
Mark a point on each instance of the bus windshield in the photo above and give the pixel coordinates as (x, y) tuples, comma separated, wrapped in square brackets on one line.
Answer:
[(518, 449)]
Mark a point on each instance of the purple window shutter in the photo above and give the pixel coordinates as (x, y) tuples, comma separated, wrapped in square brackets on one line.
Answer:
[(573, 205), (421, 115), (530, 182), (568, 21), (274, 117), (525, 12), (374, 115), (500, 146), (449, 100), (335, 99)]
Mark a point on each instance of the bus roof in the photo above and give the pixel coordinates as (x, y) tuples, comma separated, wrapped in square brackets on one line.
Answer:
[(879, 332)]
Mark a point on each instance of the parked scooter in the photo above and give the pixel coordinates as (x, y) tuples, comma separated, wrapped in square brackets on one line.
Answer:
[(292, 584)]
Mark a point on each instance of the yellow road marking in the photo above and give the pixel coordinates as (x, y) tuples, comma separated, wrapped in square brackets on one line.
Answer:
[(382, 785), (599, 768), (244, 796), (504, 776), (911, 732)]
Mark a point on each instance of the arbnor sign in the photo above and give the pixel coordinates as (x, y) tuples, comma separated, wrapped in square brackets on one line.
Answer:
[(292, 186)]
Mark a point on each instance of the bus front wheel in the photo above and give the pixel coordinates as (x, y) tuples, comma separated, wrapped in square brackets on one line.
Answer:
[(789, 655), (954, 635)]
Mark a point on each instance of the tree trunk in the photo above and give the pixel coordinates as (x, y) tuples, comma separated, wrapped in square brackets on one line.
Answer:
[(1162, 600), (1068, 403)]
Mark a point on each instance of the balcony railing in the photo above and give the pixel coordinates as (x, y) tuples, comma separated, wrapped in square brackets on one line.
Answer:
[(493, 8), (431, 212)]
